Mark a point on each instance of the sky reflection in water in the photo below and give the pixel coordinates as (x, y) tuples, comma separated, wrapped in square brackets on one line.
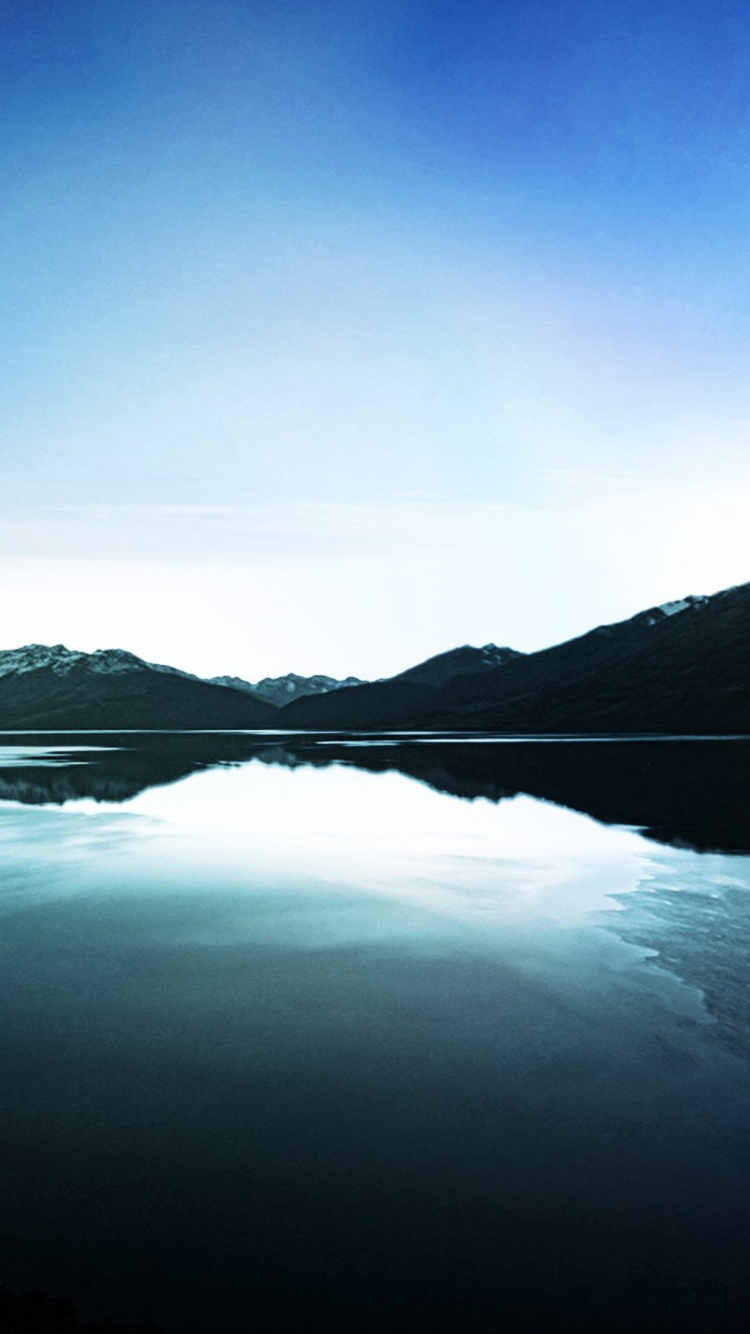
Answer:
[(301, 1043)]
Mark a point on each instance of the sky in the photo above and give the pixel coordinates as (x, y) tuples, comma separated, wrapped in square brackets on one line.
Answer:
[(333, 335)]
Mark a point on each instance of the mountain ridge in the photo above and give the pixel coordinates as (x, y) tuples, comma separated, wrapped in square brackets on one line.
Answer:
[(683, 666)]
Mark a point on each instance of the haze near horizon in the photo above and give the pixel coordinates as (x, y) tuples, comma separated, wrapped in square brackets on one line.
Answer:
[(337, 335)]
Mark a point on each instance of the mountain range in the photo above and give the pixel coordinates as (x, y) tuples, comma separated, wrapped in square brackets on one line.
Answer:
[(281, 690), (683, 667)]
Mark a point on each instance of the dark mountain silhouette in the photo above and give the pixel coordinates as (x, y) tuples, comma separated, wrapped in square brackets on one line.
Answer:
[(680, 668)]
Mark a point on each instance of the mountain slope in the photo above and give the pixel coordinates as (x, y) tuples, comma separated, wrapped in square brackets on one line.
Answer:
[(683, 667), (54, 687), (405, 696)]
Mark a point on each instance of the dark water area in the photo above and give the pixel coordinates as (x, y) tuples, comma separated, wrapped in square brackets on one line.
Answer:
[(326, 1033)]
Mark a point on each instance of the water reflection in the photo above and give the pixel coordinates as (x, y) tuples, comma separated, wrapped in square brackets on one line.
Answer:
[(687, 792), (306, 1044)]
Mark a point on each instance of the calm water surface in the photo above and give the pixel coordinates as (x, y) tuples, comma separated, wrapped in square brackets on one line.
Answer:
[(297, 1045)]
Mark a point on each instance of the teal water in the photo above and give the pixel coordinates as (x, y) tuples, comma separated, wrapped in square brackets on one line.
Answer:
[(293, 1046)]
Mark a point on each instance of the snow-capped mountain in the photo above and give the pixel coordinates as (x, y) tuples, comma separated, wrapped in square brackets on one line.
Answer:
[(279, 690), (62, 661), (51, 687)]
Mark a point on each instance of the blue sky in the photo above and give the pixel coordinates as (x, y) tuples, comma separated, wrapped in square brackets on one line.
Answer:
[(336, 334)]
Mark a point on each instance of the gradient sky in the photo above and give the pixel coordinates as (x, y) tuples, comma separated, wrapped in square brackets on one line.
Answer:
[(335, 334)]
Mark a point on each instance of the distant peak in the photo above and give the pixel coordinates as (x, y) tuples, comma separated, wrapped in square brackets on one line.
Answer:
[(279, 690), (463, 661)]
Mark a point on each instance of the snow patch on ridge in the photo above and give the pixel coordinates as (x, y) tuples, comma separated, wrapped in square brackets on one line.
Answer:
[(33, 657), (674, 608), (496, 656)]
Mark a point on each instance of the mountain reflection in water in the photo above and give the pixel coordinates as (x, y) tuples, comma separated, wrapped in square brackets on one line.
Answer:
[(291, 1041), (686, 792)]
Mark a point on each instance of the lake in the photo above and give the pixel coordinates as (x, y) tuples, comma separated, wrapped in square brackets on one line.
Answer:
[(325, 1033)]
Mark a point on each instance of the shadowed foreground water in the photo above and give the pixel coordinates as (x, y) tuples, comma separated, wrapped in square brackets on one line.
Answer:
[(310, 1046)]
